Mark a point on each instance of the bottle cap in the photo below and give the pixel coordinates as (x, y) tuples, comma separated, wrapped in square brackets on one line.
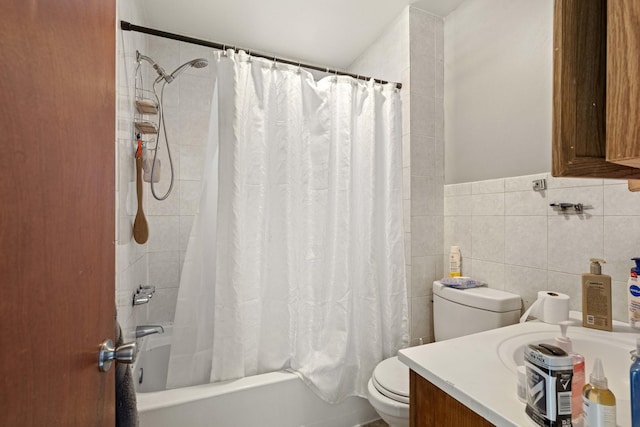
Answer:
[(637, 267), (597, 378), (455, 249), (595, 267)]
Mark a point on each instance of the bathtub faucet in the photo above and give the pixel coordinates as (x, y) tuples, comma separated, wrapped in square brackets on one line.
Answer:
[(144, 330)]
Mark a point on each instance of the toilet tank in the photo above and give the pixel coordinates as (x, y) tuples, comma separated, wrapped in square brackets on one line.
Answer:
[(459, 312)]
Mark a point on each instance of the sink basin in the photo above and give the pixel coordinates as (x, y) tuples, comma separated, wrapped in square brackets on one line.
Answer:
[(613, 351), (480, 370)]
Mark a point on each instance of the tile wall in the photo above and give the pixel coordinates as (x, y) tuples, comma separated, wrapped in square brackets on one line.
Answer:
[(511, 237), (131, 258), (187, 102)]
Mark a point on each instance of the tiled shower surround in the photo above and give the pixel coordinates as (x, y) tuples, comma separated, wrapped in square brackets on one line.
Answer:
[(510, 237)]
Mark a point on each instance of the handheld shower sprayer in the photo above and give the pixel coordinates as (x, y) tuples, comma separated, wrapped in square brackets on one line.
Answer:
[(163, 79), (156, 67), (195, 63)]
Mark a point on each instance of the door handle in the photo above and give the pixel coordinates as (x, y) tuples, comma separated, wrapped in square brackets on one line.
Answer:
[(126, 353)]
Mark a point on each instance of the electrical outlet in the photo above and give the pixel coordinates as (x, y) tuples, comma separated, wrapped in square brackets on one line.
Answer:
[(539, 185)]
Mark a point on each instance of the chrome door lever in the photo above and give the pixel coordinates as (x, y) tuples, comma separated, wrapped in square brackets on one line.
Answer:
[(126, 353)]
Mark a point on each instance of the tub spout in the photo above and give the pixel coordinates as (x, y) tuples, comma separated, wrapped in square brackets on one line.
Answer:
[(144, 330)]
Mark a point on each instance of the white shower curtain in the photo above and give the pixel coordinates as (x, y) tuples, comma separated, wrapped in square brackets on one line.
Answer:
[(296, 259)]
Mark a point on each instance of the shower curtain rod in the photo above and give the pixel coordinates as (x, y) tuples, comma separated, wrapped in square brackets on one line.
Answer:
[(127, 26)]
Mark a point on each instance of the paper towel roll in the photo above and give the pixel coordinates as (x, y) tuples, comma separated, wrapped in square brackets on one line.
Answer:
[(550, 307)]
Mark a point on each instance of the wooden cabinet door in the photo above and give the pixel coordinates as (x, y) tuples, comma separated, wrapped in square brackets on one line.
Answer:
[(431, 407), (623, 82), (57, 196), (580, 97)]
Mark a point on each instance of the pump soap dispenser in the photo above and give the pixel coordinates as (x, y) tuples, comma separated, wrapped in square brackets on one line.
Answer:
[(596, 298), (577, 381)]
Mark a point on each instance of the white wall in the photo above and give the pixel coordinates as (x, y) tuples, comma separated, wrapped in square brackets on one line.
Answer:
[(498, 89)]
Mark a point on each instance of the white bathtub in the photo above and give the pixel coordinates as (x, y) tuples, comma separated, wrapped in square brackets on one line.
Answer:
[(276, 399)]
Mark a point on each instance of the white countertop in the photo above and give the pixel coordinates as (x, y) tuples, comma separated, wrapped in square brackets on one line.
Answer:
[(472, 369)]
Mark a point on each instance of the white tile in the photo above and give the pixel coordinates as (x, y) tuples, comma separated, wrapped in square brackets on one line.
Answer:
[(168, 206), (487, 187), (196, 92), (406, 150), (457, 232), (193, 126), (422, 155), (526, 203), (422, 116), (426, 235), (191, 162), (553, 182), (619, 301), (490, 272), (488, 204), (423, 273), (458, 205), (621, 243), (421, 316), (573, 241), (463, 189), (526, 241), (162, 307), (164, 269), (522, 183), (406, 215), (487, 238), (618, 200), (525, 281), (189, 197), (163, 233), (426, 196)]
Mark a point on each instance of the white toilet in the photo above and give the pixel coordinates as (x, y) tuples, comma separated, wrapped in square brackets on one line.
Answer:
[(455, 313)]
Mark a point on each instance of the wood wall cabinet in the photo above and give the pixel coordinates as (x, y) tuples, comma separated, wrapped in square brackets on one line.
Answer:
[(429, 406), (596, 99)]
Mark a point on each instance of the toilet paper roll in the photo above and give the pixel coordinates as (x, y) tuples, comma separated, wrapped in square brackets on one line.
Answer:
[(550, 307)]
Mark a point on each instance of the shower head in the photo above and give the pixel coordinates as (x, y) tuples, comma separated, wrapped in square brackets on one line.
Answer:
[(156, 67), (195, 63)]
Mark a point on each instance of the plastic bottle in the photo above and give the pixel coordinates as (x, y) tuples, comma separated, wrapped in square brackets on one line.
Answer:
[(633, 295), (577, 382), (634, 381), (454, 262), (598, 402)]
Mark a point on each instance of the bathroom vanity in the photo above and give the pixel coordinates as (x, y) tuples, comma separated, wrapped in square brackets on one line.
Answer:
[(472, 380)]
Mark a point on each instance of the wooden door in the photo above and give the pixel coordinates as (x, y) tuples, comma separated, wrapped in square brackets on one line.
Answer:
[(57, 195)]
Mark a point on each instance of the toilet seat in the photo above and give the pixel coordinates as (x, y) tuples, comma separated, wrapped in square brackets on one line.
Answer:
[(391, 379)]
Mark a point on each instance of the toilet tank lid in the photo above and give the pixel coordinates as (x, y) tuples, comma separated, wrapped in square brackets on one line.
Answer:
[(483, 298)]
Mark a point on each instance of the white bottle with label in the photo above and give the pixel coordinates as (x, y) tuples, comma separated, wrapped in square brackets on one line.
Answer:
[(633, 295), (598, 402), (455, 262)]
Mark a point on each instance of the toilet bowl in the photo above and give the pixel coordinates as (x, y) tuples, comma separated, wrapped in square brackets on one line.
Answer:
[(389, 392), (388, 387)]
